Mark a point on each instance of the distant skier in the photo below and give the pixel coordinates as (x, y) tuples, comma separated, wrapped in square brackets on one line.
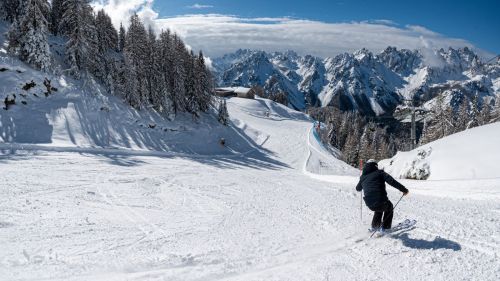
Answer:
[(372, 182)]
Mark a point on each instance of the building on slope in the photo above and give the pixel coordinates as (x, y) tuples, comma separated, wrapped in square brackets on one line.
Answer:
[(240, 92)]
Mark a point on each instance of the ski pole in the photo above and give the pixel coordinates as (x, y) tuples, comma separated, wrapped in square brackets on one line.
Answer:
[(391, 211), (361, 193), (361, 205)]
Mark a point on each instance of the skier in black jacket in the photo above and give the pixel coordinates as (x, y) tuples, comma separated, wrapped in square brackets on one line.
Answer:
[(372, 182)]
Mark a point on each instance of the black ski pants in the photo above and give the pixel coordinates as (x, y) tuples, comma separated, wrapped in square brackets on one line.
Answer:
[(383, 215)]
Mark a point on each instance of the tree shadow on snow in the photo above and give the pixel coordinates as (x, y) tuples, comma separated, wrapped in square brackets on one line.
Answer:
[(104, 125), (421, 244), (121, 160)]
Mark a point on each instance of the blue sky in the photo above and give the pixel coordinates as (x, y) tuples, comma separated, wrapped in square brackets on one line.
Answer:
[(476, 21), (333, 26)]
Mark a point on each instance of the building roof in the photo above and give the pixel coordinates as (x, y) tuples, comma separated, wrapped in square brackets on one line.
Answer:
[(237, 90)]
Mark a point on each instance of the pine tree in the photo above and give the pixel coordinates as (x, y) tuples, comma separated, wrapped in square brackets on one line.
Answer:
[(56, 14), (485, 115), (106, 33), (352, 146), (332, 135), (344, 130), (150, 65), (191, 83), (204, 86), (13, 9), (424, 137), (449, 121), (377, 144), (82, 45), (164, 71), (443, 123), (13, 37), (135, 52), (132, 92), (384, 151), (121, 38), (3, 12), (178, 76), (474, 112), (158, 82), (496, 112), (351, 150), (365, 149), (463, 114), (29, 38)]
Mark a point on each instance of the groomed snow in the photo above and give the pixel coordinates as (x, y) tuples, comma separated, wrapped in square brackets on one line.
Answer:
[(102, 214)]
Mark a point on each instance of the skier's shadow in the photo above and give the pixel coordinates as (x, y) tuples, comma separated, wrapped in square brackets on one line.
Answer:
[(437, 243)]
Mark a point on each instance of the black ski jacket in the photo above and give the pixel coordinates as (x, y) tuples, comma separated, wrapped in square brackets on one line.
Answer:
[(372, 182)]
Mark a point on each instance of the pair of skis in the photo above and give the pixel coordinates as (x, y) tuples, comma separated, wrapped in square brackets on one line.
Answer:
[(406, 224)]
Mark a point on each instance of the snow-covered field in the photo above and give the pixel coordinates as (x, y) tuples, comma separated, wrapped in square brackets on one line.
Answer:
[(274, 205)]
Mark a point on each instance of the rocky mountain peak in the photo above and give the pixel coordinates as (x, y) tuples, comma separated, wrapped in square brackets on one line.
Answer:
[(373, 84)]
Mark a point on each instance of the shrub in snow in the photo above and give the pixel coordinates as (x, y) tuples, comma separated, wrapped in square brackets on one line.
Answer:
[(9, 100), (418, 169), (29, 85)]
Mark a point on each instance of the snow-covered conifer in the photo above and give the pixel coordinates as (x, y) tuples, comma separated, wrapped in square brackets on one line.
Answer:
[(463, 119), (121, 38), (12, 10), (178, 76), (135, 53), (13, 37), (56, 14), (81, 48), (485, 115), (474, 112), (150, 66), (106, 33), (365, 149), (191, 84), (29, 37), (204, 85)]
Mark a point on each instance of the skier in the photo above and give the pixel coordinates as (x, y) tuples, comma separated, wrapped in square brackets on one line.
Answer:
[(372, 182)]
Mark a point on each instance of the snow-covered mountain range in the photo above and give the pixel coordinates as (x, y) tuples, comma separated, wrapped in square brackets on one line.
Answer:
[(373, 84)]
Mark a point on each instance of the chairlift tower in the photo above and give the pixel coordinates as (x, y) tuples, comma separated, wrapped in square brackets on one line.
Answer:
[(413, 136), (413, 131)]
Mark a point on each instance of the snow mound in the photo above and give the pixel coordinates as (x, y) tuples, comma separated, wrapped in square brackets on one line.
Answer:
[(471, 154)]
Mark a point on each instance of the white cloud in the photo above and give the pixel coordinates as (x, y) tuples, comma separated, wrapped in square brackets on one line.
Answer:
[(200, 6), (220, 34), (430, 55), (121, 10)]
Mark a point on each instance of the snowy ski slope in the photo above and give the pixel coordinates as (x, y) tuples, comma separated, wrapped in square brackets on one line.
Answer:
[(279, 209), (92, 190)]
